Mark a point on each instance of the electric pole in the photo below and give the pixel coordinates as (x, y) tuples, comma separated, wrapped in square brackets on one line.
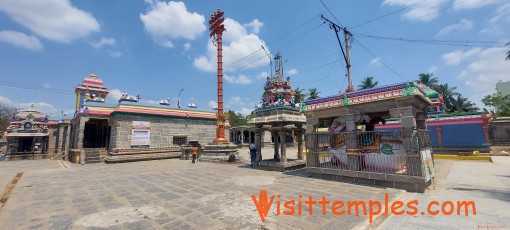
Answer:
[(347, 58)]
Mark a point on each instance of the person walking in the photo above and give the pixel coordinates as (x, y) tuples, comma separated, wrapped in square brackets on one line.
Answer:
[(194, 152), (253, 153)]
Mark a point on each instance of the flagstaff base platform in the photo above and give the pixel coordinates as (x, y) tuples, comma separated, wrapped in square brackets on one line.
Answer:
[(220, 152), (272, 165)]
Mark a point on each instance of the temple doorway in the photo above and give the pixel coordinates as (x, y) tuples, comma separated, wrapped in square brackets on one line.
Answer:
[(96, 133), (25, 144)]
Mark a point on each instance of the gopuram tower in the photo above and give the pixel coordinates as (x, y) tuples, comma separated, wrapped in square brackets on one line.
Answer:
[(91, 89)]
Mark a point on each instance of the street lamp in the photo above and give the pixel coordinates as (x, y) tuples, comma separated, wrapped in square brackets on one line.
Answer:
[(179, 99)]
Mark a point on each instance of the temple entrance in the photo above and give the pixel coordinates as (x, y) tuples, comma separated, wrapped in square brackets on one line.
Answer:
[(96, 133), (25, 144)]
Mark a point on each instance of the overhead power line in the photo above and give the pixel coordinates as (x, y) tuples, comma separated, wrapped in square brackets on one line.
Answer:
[(380, 60), (331, 13), (386, 15), (434, 41)]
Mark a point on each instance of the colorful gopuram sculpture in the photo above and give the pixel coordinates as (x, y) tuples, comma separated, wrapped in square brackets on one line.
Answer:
[(278, 91)]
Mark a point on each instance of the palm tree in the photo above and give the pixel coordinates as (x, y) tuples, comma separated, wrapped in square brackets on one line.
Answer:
[(313, 93), (299, 96), (463, 104), (428, 79), (368, 83), (508, 53), (448, 95)]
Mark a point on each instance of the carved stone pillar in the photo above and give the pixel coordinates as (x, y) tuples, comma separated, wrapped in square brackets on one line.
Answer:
[(299, 135), (258, 143), (283, 145), (276, 154)]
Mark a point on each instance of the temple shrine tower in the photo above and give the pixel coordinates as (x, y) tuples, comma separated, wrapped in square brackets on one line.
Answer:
[(91, 89)]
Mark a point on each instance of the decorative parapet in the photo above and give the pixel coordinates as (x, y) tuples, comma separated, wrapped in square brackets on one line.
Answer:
[(366, 96), (445, 120)]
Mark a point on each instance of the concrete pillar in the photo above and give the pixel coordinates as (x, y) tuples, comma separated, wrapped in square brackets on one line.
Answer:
[(351, 139), (299, 144), (276, 154), (439, 135), (283, 145)]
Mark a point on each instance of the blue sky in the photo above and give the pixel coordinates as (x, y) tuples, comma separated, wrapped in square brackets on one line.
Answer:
[(155, 48)]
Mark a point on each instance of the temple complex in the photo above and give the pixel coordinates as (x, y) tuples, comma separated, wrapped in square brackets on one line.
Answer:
[(279, 115), (132, 131)]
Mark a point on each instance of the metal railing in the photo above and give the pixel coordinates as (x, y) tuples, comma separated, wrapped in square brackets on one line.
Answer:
[(387, 152)]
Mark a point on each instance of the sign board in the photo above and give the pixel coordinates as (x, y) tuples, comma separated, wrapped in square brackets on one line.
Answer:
[(141, 134)]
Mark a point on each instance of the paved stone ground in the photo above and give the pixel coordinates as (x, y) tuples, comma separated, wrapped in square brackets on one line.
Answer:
[(166, 194), (488, 184)]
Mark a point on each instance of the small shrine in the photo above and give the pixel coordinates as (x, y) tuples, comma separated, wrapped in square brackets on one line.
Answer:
[(27, 133), (353, 149), (280, 115)]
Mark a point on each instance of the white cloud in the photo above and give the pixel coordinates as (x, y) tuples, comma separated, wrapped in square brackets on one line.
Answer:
[(484, 71), (167, 21), (56, 20), (114, 54), (458, 56), (186, 46), (47, 86), (5, 100), (114, 95), (432, 69), (102, 42), (472, 4), (425, 11), (376, 61), (238, 48), (235, 102), (242, 79), (245, 111), (255, 25), (501, 18), (292, 72), (262, 75), (463, 25), (212, 104), (42, 107), (20, 40)]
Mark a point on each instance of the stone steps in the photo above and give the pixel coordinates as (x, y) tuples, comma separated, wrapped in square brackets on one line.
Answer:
[(141, 157)]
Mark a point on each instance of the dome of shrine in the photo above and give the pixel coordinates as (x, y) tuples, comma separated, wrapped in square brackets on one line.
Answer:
[(93, 80)]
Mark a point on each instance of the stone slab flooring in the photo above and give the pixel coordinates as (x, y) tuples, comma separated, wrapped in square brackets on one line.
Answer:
[(166, 194)]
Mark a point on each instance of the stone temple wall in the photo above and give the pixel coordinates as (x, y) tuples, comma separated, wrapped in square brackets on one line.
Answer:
[(58, 140), (163, 130)]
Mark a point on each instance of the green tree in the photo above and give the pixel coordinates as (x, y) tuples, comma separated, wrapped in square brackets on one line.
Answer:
[(313, 93), (368, 83), (463, 104), (299, 96), (6, 113), (449, 94), (500, 103), (236, 119), (428, 79), (508, 53)]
